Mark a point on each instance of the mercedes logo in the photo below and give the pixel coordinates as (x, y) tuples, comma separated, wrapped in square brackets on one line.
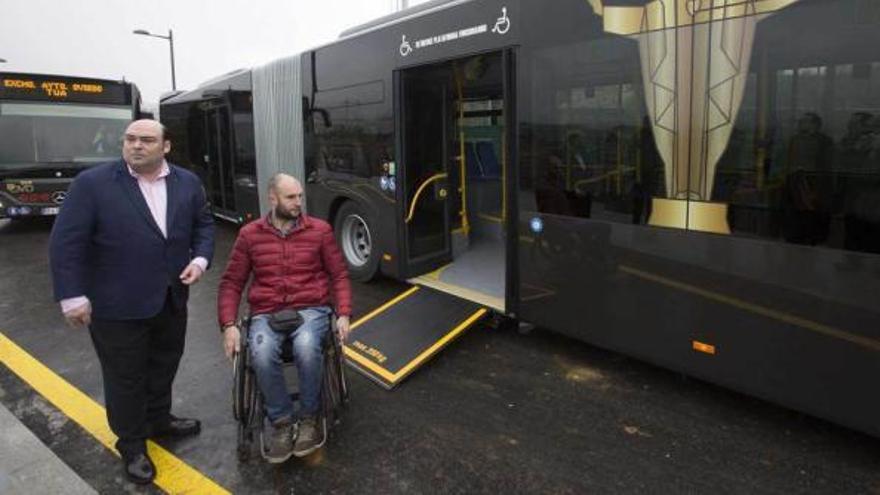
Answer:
[(58, 197)]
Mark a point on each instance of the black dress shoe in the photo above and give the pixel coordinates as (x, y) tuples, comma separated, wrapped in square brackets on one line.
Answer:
[(178, 427), (140, 469)]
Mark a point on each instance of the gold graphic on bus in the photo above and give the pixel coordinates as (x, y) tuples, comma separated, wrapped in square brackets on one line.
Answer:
[(695, 58)]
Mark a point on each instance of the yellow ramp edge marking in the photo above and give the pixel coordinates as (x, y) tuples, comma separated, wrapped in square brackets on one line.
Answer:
[(813, 326), (364, 361), (173, 475), (380, 309), (383, 372), (439, 344)]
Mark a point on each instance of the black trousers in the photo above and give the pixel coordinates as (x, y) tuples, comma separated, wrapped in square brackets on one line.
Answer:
[(139, 360)]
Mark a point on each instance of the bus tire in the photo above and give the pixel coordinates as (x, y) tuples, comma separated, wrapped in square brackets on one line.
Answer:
[(356, 236)]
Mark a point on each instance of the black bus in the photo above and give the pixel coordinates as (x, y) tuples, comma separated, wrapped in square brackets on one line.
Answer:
[(213, 129), (51, 128), (693, 183)]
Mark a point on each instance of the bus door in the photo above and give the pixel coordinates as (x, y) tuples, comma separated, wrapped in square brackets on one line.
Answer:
[(220, 177), (425, 190)]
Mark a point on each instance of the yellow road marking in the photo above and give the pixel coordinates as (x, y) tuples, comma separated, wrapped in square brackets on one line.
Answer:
[(760, 310), (173, 475)]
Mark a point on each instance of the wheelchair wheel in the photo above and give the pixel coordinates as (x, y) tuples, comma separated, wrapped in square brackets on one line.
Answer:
[(247, 408), (245, 443), (241, 387), (335, 389)]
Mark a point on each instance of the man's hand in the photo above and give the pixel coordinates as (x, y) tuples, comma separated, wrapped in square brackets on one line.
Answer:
[(231, 340), (191, 274), (343, 328), (80, 316)]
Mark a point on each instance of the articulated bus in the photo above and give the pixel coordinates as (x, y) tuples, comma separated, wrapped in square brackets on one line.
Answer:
[(53, 127), (692, 183)]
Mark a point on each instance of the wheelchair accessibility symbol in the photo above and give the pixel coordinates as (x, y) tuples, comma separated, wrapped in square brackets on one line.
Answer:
[(405, 47), (502, 25)]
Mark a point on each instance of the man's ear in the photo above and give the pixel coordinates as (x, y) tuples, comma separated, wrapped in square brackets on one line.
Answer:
[(166, 146)]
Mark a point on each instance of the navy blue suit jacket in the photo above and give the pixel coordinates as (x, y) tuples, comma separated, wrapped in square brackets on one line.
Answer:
[(106, 245)]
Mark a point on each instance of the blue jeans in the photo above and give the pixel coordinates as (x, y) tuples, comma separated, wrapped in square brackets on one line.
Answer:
[(265, 345)]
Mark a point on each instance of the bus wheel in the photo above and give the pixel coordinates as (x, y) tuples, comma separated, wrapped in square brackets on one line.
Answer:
[(354, 233)]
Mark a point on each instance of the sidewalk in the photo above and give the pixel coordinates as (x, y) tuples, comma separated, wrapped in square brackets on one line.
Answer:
[(27, 466)]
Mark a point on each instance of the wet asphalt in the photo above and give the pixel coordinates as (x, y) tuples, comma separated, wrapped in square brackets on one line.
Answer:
[(498, 411)]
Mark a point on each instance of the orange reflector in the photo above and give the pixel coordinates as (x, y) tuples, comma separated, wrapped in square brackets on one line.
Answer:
[(386, 257), (703, 347)]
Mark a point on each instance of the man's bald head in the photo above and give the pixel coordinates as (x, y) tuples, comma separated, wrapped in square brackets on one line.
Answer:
[(285, 196), (282, 180)]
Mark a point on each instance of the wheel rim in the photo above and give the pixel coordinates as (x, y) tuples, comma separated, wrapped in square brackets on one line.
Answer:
[(356, 240)]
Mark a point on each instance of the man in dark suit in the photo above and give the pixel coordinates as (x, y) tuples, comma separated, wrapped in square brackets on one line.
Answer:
[(131, 237)]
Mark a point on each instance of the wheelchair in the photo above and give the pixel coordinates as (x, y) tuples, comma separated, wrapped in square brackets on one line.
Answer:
[(247, 402)]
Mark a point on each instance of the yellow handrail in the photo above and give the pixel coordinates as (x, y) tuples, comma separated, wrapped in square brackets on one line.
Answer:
[(412, 206), (462, 190)]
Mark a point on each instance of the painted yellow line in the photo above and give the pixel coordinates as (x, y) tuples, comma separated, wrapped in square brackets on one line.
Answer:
[(439, 344), (174, 475), (867, 342), (383, 307)]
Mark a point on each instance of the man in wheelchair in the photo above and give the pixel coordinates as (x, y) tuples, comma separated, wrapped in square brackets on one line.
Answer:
[(298, 277)]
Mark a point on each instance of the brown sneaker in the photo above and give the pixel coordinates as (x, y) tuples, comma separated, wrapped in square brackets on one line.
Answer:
[(280, 441), (310, 438)]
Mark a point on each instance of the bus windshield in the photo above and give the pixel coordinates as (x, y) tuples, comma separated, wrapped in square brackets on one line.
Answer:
[(34, 134)]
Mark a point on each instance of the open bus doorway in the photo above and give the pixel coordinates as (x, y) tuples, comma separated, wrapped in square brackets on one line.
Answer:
[(453, 176)]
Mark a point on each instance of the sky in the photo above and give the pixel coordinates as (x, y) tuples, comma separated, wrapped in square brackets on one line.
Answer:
[(93, 38)]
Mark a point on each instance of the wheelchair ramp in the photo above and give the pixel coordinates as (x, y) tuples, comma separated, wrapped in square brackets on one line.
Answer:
[(403, 334)]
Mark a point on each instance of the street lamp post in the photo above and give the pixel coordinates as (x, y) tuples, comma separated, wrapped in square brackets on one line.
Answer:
[(170, 39)]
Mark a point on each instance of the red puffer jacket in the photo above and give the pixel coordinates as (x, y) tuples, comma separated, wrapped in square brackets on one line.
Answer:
[(302, 269)]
